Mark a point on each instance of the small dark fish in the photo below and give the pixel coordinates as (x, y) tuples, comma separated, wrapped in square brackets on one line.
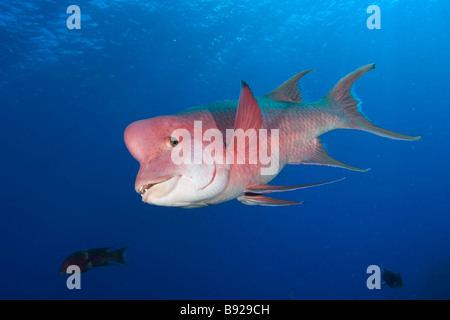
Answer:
[(392, 279), (89, 258)]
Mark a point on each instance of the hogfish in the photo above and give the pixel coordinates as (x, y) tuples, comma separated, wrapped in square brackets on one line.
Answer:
[(278, 123)]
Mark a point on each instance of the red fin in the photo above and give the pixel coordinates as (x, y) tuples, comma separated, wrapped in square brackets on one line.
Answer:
[(320, 157), (264, 188), (341, 93), (248, 115), (248, 119), (288, 91), (257, 199)]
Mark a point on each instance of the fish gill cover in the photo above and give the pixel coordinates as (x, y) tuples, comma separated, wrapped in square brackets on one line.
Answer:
[(67, 96)]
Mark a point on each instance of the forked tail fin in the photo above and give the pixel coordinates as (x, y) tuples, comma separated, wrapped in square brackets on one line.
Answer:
[(118, 255), (341, 93)]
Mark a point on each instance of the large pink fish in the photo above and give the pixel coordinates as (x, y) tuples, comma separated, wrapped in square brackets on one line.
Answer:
[(277, 123)]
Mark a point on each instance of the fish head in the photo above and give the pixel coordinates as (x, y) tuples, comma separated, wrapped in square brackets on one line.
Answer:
[(78, 258), (64, 267), (177, 169)]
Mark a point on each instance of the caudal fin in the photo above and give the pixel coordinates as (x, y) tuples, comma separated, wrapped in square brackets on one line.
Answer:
[(118, 256), (341, 93)]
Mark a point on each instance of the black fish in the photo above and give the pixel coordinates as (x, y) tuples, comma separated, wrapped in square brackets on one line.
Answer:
[(89, 258), (392, 279)]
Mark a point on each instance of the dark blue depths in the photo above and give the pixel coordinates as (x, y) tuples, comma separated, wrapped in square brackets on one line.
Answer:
[(67, 179)]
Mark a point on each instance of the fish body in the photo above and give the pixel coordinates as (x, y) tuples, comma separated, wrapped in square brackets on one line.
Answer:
[(392, 279), (279, 124), (90, 258)]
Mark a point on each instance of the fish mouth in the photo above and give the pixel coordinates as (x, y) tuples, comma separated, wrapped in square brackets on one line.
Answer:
[(163, 187), (144, 188)]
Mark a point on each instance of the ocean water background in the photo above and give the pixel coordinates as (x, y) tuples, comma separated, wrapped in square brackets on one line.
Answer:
[(68, 180)]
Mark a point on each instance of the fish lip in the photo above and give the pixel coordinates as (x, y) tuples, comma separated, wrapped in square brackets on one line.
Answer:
[(147, 186), (149, 197)]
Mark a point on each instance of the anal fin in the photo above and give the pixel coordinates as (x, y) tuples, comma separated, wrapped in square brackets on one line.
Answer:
[(104, 264), (319, 156)]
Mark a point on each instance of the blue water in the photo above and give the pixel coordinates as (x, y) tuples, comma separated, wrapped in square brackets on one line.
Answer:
[(67, 179)]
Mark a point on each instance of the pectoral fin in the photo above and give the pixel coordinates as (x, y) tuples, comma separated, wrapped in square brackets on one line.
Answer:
[(256, 199), (264, 188)]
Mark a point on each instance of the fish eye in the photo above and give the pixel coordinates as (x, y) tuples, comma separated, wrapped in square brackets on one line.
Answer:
[(171, 142)]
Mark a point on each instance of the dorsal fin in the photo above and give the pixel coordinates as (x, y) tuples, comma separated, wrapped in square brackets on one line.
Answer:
[(98, 250), (288, 91)]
